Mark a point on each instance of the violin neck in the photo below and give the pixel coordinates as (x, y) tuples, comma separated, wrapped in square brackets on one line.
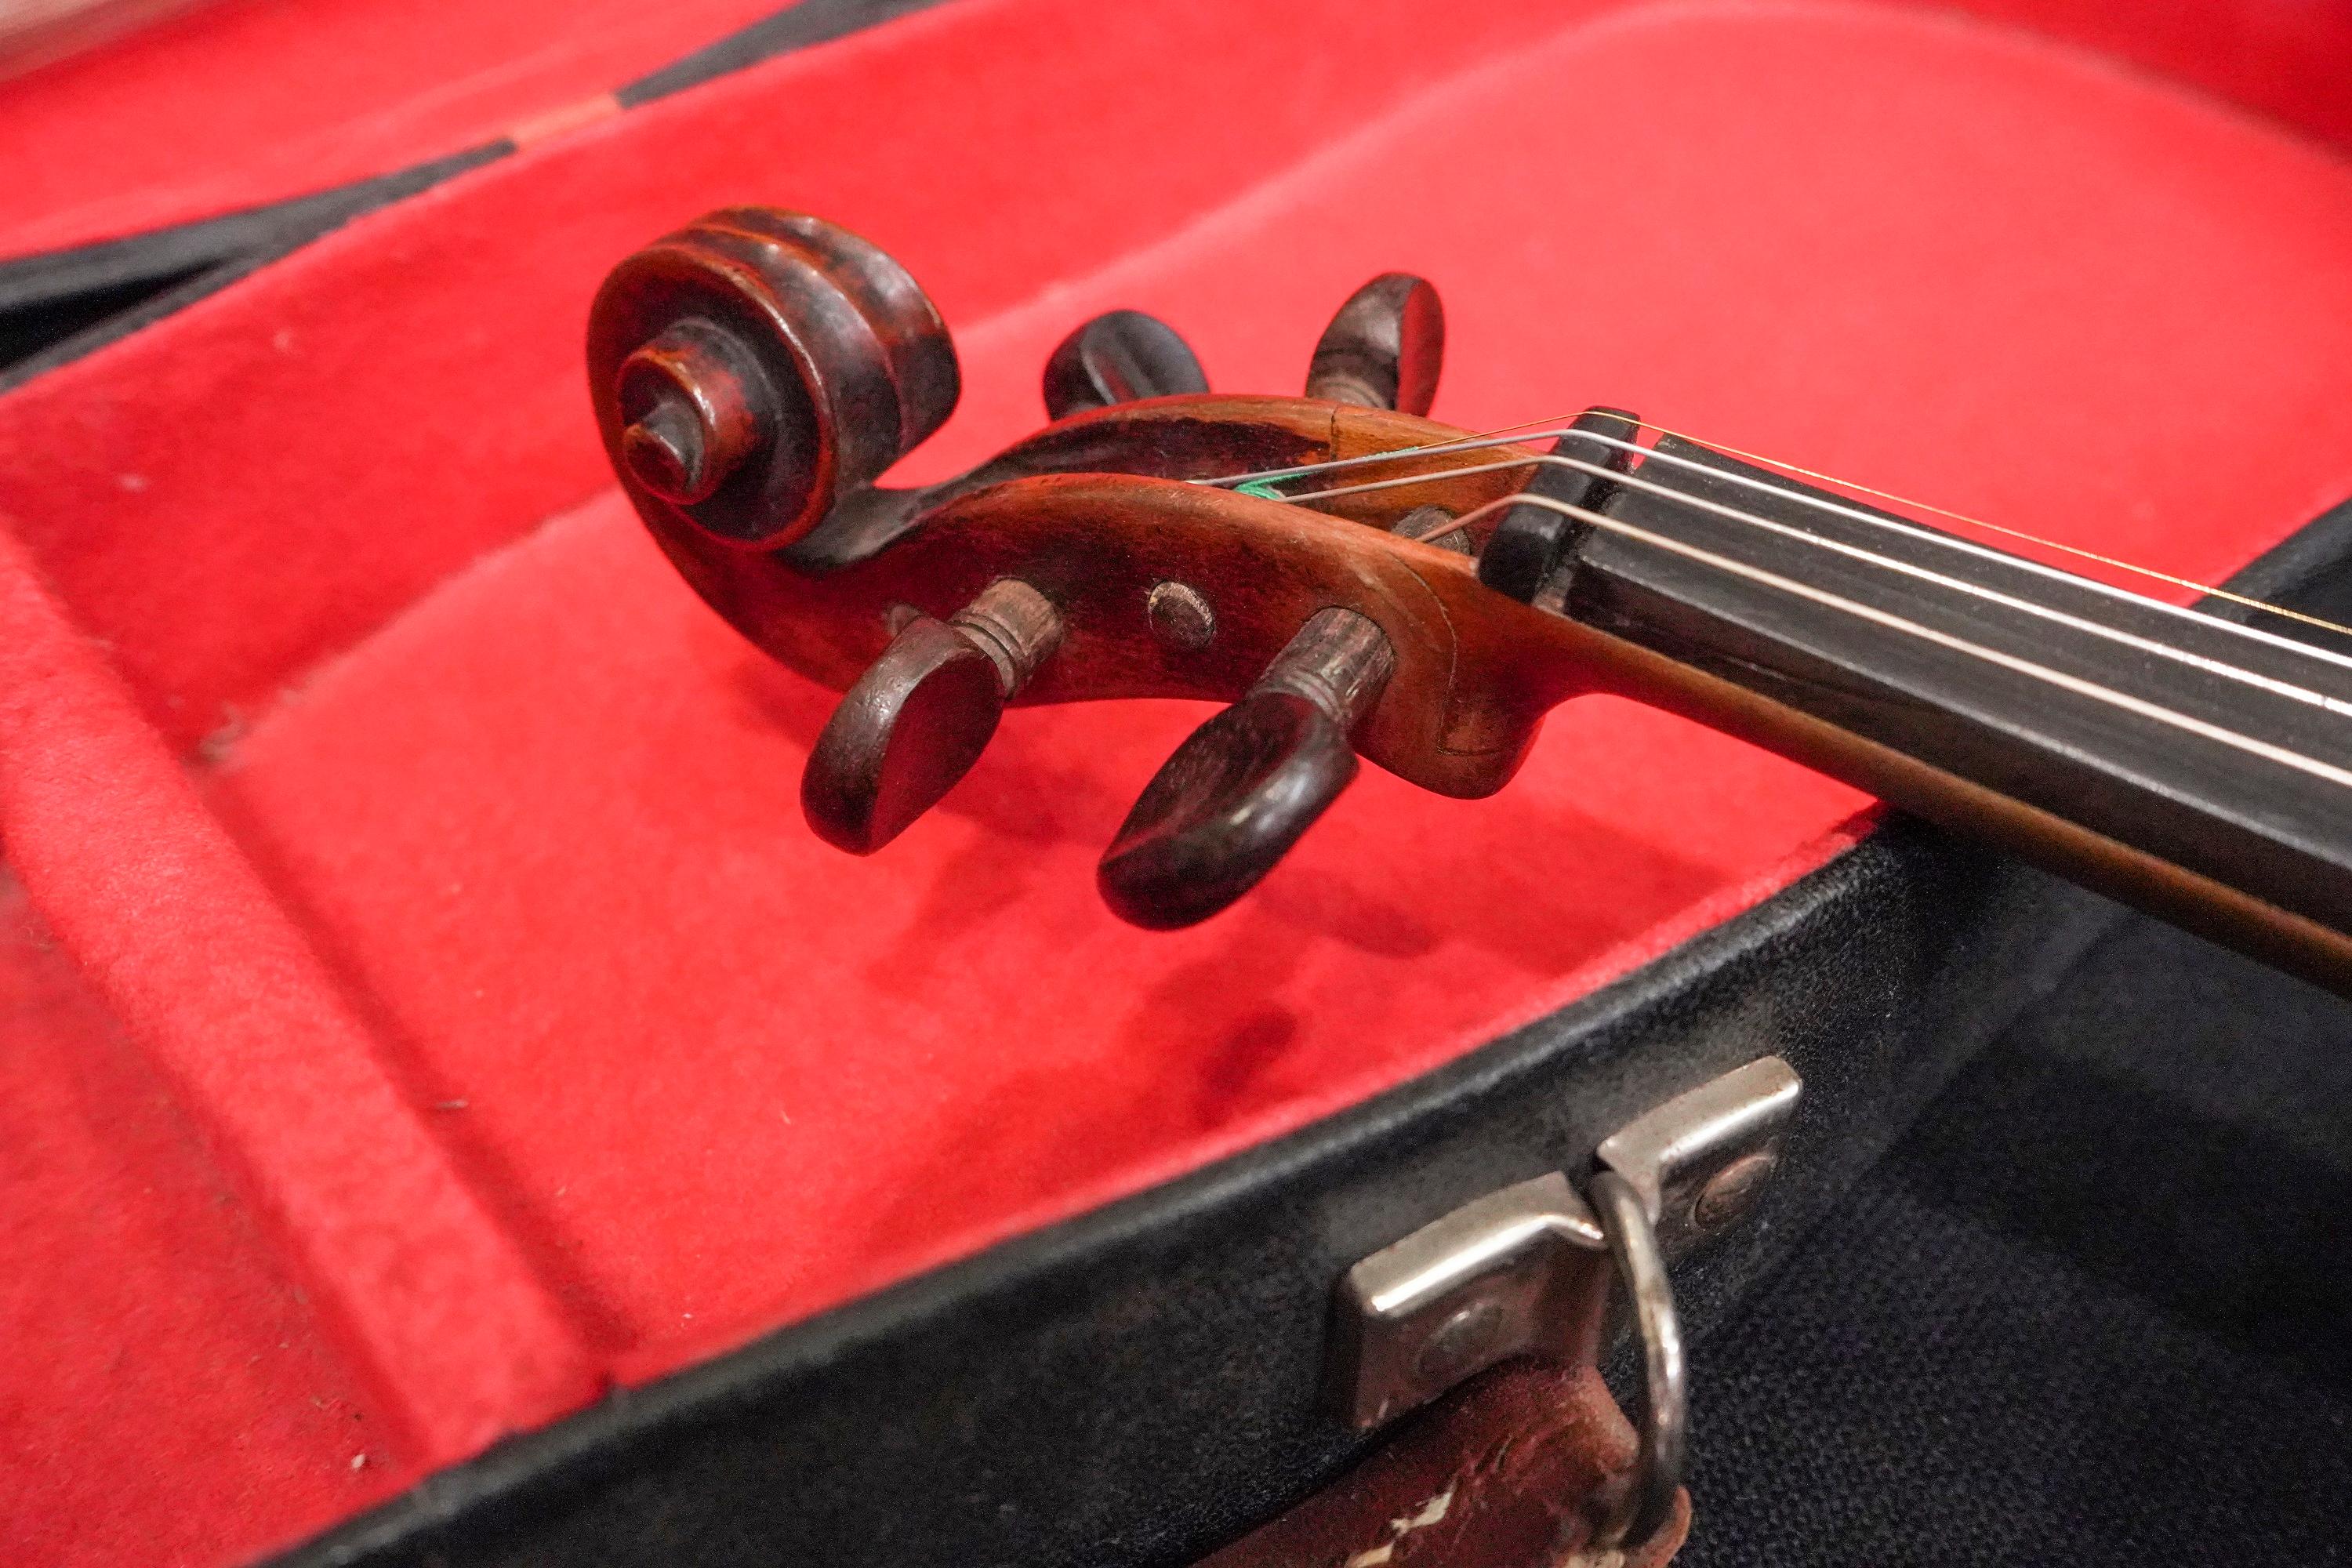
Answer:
[(2169, 758)]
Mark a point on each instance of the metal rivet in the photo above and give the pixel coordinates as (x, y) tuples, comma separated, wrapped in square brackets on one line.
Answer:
[(1733, 1191), (1456, 1346), (1180, 617)]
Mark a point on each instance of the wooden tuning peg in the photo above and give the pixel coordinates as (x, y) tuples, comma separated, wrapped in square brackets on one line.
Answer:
[(921, 715), (1528, 545), (1384, 348), (1243, 788), (1121, 356)]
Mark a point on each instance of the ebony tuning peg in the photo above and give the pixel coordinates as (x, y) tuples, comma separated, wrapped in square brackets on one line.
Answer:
[(755, 367), (921, 715), (1528, 543), (1121, 356), (1243, 788), (1384, 347)]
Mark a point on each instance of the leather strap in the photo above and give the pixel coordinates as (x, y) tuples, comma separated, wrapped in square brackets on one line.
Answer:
[(1516, 1469)]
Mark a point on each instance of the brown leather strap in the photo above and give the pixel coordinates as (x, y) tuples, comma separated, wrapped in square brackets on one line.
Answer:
[(1514, 1470)]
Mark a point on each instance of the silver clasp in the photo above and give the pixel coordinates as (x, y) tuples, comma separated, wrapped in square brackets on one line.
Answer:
[(1528, 1271)]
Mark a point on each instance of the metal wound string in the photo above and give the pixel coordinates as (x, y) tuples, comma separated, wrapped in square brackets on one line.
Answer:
[(1527, 430), (1262, 483), (2117, 562), (1834, 601), (2336, 706), (2190, 724)]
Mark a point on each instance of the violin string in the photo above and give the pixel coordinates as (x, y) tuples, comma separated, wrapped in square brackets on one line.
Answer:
[(2113, 563), (2104, 693), (1485, 440), (2271, 684), (1537, 429), (2190, 724)]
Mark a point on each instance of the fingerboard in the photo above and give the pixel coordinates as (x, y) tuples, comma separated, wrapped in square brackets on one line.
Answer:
[(2176, 734)]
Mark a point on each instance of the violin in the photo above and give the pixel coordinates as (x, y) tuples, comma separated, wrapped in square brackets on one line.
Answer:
[(1355, 580)]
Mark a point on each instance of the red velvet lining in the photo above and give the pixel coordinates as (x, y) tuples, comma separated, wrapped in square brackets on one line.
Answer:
[(239, 102), (201, 1403), (232, 103), (151, 899), (533, 807)]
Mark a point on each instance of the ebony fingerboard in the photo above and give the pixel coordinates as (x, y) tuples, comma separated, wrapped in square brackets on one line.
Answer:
[(2219, 762)]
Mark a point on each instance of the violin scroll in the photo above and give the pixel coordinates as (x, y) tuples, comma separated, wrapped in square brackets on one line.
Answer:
[(755, 373), (755, 367)]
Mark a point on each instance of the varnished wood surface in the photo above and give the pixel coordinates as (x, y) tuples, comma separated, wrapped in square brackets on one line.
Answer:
[(1456, 717)]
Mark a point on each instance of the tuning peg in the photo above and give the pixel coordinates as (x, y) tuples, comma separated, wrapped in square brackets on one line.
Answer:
[(1383, 347), (921, 715), (1239, 792), (1121, 356), (1527, 544)]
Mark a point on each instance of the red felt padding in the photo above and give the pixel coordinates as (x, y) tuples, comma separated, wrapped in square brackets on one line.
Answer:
[(424, 369), (239, 102), (420, 1296), (494, 804), (234, 103), (535, 810), (170, 1391)]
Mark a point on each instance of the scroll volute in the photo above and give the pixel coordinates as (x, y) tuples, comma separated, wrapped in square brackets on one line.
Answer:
[(757, 372), (753, 369)]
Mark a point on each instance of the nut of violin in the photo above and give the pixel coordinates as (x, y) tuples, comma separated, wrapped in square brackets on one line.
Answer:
[(921, 715), (1121, 356), (1529, 543), (1384, 348), (751, 369), (1245, 785)]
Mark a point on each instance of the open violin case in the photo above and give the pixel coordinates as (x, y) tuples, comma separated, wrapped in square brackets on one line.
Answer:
[(453, 1112)]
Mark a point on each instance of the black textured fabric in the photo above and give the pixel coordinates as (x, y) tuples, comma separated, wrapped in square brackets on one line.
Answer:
[(57, 307), (2096, 1308)]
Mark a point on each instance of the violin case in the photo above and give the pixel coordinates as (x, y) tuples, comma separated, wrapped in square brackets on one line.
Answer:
[(453, 1112)]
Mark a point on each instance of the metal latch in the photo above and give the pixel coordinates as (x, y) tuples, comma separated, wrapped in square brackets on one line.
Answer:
[(1527, 1270)]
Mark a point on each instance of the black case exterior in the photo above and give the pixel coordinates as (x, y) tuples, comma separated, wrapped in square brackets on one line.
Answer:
[(1142, 1384), (2092, 1309)]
